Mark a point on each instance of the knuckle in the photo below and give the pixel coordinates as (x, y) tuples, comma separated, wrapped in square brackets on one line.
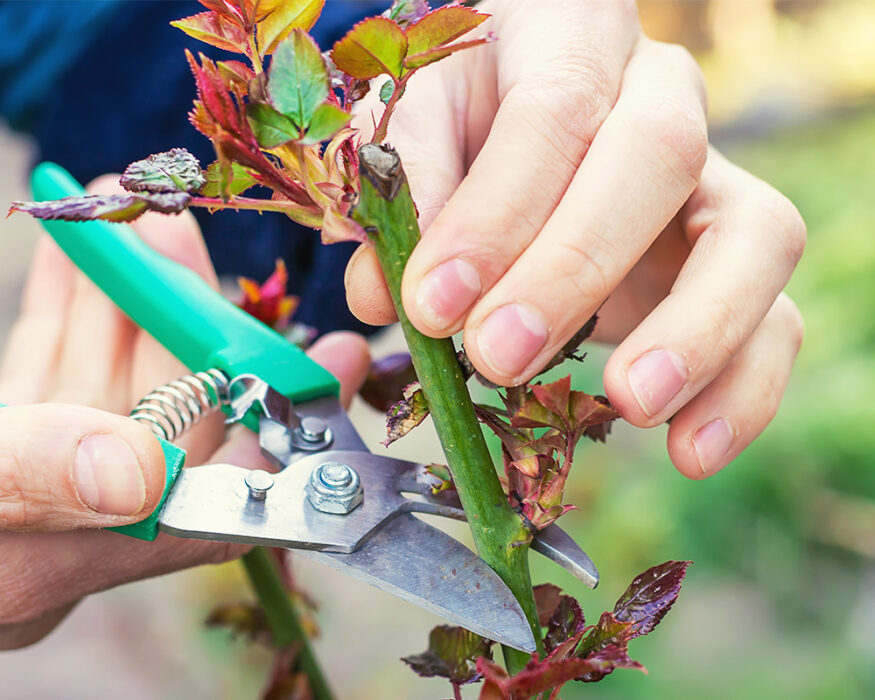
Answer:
[(586, 268), (15, 513), (679, 61), (626, 9), (568, 106), (730, 328), (676, 131)]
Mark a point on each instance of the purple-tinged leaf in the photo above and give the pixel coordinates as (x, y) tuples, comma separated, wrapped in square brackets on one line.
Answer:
[(604, 661), (539, 676), (271, 128), (286, 16), (452, 653), (384, 386), (608, 630), (650, 596), (328, 120), (547, 597), (115, 207), (372, 47), (566, 622), (214, 29), (405, 415), (600, 431), (405, 12), (175, 170), (555, 405), (298, 81)]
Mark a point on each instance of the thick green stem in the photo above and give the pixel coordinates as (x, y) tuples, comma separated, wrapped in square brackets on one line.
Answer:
[(388, 215), (282, 617)]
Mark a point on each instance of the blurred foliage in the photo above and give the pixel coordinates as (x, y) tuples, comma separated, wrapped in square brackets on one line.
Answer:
[(770, 58), (781, 598)]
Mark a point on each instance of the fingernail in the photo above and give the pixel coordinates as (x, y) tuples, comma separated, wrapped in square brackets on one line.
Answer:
[(108, 476), (711, 443), (655, 378), (447, 292), (510, 338)]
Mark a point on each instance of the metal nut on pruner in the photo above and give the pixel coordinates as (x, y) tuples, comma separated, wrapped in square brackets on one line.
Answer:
[(334, 487)]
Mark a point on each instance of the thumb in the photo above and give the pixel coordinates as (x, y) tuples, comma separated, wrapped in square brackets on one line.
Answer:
[(69, 467)]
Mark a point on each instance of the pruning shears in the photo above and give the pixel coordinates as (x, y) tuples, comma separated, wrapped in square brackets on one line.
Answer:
[(331, 499)]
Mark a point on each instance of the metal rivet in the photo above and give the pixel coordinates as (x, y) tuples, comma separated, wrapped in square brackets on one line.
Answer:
[(259, 483), (313, 429)]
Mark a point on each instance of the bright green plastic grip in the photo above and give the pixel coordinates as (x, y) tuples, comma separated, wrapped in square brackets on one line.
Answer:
[(147, 529), (173, 304)]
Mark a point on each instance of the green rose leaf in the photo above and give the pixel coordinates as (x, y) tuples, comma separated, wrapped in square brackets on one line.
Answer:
[(239, 179), (372, 47), (327, 120), (386, 91), (298, 81), (271, 128)]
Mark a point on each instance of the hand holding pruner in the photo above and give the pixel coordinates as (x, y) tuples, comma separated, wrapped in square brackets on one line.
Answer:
[(330, 499)]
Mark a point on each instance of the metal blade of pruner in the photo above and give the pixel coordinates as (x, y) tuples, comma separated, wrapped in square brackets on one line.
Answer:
[(317, 424), (367, 531)]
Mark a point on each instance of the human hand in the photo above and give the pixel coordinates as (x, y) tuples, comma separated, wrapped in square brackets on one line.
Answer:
[(567, 164), (67, 469)]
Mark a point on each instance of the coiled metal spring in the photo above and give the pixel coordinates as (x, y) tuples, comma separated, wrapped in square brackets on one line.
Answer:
[(174, 408)]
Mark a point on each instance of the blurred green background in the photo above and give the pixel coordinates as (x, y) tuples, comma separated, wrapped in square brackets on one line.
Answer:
[(781, 599)]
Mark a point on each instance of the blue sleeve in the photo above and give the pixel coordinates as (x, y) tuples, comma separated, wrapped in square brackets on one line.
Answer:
[(127, 94), (39, 41)]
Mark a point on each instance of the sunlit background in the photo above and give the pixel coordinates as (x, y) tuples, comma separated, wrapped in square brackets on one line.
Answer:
[(781, 599)]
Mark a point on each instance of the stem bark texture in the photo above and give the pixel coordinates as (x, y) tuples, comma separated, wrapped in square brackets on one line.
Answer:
[(388, 215)]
